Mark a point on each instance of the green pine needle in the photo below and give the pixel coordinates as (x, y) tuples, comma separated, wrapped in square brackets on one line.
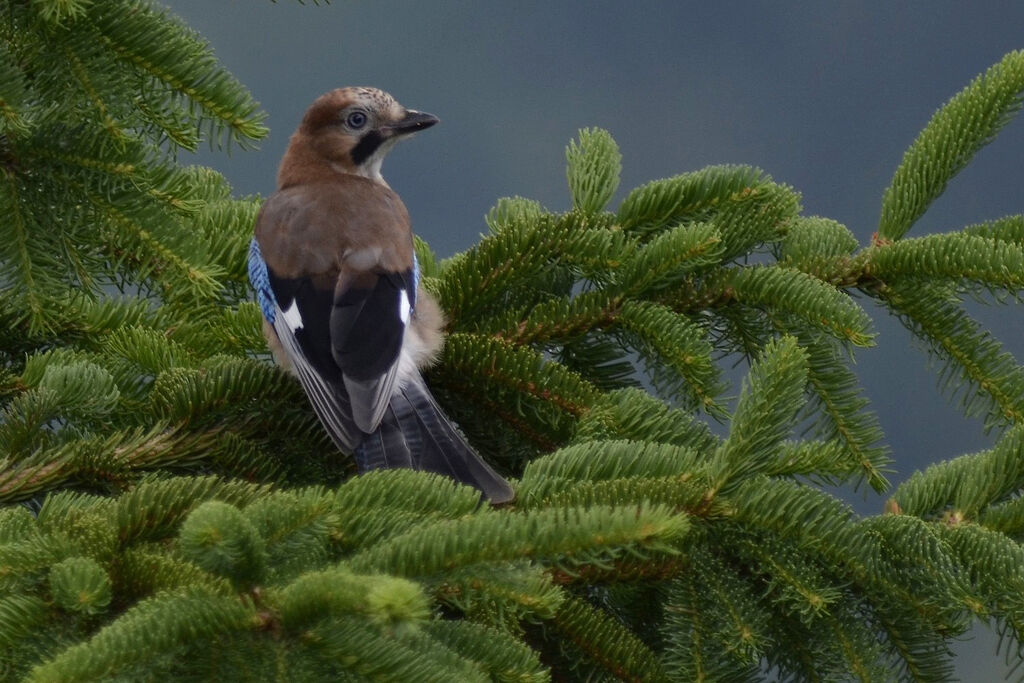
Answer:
[(965, 124)]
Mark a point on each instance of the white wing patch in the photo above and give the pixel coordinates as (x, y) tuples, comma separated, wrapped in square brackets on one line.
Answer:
[(292, 317), (403, 307), (370, 398)]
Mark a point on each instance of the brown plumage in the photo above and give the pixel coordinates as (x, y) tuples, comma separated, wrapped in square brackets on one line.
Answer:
[(334, 268)]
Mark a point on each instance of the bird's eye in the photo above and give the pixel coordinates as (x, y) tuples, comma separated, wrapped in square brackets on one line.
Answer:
[(356, 119)]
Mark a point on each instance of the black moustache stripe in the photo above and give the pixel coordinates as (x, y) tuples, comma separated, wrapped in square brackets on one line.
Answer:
[(366, 147)]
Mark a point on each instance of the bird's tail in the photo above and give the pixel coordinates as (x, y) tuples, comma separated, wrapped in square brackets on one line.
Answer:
[(415, 433)]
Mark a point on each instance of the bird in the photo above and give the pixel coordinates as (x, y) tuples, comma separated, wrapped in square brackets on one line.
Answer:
[(336, 278)]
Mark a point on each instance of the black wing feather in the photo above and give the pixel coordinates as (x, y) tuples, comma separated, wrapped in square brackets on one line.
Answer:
[(367, 329), (415, 433)]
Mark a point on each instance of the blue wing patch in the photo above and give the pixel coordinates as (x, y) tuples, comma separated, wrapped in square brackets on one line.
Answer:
[(260, 280)]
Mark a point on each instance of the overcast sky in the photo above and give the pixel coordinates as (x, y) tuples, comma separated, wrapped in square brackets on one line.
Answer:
[(825, 96)]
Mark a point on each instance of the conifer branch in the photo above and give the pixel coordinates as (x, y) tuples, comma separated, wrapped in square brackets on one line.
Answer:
[(842, 409), (957, 490), (764, 414), (989, 262), (965, 124), (157, 44), (594, 165), (567, 537), (20, 254), (154, 626), (607, 643), (1008, 229), (582, 345), (506, 658), (974, 356)]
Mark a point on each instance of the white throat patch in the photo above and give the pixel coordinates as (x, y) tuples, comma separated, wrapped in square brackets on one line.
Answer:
[(370, 168)]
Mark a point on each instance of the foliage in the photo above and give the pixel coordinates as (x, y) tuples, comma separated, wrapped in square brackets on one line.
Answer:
[(171, 505)]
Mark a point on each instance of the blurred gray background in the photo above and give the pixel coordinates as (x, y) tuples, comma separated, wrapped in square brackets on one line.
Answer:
[(825, 96)]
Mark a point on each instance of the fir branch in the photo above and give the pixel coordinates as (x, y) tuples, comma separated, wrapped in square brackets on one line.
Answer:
[(799, 513), (219, 539), (1007, 518), (562, 319), (153, 626), (973, 357), (80, 72), (668, 258), (741, 621), (822, 461), (917, 652), (357, 647), (197, 394), (955, 256), (59, 12), (128, 239), (80, 585), (687, 197), (518, 254), (150, 350), (502, 657), (94, 461), (958, 490), (19, 253), (906, 551), (421, 493), (796, 585), (599, 359), (801, 295), (965, 124), (24, 560), (502, 595), (509, 212), (607, 642), (569, 537), (20, 617), (594, 461), (522, 372), (764, 414), (910, 620), (841, 410), (677, 353), (634, 414), (110, 462), (593, 168), (755, 217), (143, 570), (385, 600), (225, 227), (820, 247), (780, 291), (158, 44), (683, 493), (996, 565), (13, 97), (694, 651), (641, 572), (1007, 229), (385, 503)]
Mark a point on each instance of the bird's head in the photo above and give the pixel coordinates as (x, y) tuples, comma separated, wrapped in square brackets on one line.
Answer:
[(353, 129)]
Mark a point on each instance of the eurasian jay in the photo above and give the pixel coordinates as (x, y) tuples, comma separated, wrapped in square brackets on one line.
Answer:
[(336, 278)]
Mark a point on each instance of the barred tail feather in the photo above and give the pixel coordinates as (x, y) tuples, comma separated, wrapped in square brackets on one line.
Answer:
[(415, 433)]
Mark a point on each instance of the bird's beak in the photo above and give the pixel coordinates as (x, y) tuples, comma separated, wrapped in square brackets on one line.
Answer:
[(412, 122)]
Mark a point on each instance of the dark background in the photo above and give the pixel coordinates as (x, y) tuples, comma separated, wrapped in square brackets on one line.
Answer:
[(824, 96)]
